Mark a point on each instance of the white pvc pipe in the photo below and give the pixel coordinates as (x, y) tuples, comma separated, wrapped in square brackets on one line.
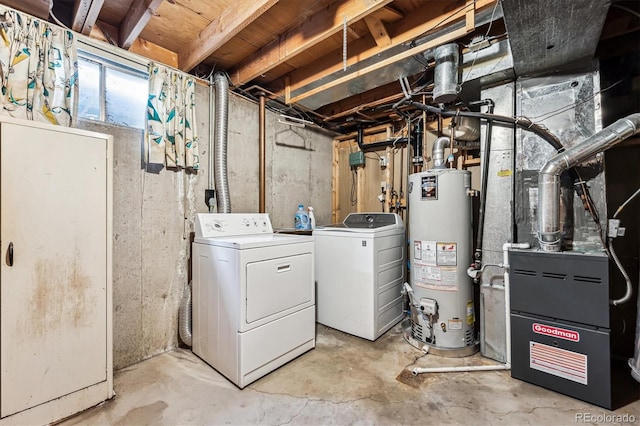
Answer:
[(464, 368), (507, 319)]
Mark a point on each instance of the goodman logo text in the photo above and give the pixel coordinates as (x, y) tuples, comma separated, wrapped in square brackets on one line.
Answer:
[(560, 333)]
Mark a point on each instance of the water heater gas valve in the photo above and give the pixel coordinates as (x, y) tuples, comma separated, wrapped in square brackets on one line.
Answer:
[(428, 306)]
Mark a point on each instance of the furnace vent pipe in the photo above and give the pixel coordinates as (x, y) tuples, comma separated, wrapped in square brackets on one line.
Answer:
[(437, 152), (220, 150), (445, 73), (549, 176)]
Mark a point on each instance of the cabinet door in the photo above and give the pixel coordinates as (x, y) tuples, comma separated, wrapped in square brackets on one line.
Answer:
[(53, 211)]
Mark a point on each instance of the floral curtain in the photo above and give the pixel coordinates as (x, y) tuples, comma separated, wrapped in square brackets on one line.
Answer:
[(171, 118), (38, 69)]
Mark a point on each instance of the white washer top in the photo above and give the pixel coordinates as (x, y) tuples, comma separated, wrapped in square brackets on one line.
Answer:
[(241, 231), (365, 223)]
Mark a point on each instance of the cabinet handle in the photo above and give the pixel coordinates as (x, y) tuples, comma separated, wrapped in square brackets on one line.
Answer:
[(10, 255), (283, 268)]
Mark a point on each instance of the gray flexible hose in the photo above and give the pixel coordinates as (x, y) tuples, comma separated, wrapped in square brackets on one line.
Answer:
[(220, 149), (184, 317)]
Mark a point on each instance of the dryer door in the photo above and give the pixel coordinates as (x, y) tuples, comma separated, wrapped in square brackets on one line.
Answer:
[(278, 286)]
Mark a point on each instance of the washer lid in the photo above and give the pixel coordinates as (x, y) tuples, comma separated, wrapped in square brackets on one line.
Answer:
[(367, 222), (241, 242)]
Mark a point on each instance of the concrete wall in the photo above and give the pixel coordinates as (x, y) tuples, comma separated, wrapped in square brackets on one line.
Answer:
[(154, 212)]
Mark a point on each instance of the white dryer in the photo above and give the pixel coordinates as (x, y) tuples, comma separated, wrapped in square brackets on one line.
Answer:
[(253, 295), (360, 271)]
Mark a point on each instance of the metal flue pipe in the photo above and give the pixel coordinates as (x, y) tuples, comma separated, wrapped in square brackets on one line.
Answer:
[(437, 152), (549, 234), (220, 150)]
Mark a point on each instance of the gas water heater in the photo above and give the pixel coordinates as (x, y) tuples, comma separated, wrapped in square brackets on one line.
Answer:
[(440, 238)]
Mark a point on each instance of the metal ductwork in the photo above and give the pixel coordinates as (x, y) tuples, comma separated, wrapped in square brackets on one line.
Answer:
[(466, 129), (368, 73), (549, 235), (445, 74), (545, 37), (220, 149), (438, 152)]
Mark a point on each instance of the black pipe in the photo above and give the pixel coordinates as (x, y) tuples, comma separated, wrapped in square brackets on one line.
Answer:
[(416, 140), (523, 123), (483, 189), (380, 144)]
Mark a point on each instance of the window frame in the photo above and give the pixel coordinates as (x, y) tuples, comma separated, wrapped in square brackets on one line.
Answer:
[(104, 61)]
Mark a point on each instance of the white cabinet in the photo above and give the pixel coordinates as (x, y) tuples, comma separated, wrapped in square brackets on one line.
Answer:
[(55, 271)]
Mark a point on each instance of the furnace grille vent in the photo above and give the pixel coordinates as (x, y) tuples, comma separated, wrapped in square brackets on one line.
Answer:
[(593, 280), (525, 272), (554, 275)]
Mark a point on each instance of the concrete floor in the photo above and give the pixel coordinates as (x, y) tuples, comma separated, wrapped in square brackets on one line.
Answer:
[(344, 380)]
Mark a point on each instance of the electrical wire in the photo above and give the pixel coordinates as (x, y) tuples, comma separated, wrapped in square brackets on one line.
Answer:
[(623, 205), (615, 259), (547, 115), (353, 197), (485, 36), (54, 16), (373, 158), (418, 58), (631, 11)]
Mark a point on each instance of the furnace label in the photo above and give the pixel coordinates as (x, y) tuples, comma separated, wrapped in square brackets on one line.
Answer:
[(562, 333)]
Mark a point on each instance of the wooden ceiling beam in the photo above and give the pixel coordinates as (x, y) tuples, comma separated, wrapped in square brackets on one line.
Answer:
[(137, 18), (317, 28), (109, 34), (85, 15), (378, 31), (388, 14), (220, 31)]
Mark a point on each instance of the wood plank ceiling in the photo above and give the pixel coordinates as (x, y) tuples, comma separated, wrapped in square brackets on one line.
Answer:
[(272, 46)]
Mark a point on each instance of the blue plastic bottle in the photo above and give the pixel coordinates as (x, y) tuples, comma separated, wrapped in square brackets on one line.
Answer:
[(301, 218)]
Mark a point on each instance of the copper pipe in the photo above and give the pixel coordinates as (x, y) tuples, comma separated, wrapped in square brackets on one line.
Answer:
[(262, 152)]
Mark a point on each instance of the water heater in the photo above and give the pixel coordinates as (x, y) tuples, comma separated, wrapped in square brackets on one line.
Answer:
[(440, 238)]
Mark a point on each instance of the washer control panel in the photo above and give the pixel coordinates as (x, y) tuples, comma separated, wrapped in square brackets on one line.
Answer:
[(230, 224)]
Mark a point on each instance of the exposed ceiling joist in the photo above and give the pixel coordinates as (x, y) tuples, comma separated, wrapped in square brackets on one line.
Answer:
[(137, 18), (378, 31), (319, 27), (387, 14), (109, 34), (85, 15), (231, 22)]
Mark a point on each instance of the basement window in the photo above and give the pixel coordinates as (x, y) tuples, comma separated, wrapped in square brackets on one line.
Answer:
[(111, 92)]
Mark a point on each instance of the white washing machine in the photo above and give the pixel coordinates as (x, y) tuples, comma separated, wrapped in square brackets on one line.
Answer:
[(253, 295), (360, 271)]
